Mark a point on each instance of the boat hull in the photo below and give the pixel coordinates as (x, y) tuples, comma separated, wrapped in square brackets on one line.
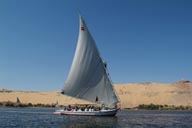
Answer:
[(112, 112)]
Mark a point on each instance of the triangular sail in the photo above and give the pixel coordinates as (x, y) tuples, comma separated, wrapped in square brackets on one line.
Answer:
[(88, 78)]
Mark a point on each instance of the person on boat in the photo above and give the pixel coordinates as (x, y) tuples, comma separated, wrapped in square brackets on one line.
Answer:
[(103, 107), (116, 106), (93, 108), (79, 110), (98, 108), (65, 108), (69, 108), (76, 108), (96, 99)]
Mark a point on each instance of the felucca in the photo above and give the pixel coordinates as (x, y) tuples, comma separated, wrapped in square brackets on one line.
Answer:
[(89, 79)]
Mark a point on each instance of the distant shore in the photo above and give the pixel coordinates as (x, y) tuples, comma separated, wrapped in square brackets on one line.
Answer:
[(160, 107), (149, 95), (140, 107), (14, 104)]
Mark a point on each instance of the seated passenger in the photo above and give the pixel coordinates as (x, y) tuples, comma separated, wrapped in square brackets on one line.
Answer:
[(79, 110)]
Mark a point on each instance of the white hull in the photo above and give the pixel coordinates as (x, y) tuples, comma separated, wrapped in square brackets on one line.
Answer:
[(111, 112)]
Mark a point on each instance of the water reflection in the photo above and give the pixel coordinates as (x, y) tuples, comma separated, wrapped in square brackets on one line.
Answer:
[(88, 122)]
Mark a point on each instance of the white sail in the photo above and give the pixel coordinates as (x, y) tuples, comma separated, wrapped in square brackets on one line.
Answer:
[(88, 78)]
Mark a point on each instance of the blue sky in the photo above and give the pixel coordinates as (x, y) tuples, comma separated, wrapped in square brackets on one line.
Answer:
[(141, 40)]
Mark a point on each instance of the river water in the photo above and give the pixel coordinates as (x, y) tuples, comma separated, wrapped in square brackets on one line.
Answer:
[(43, 118)]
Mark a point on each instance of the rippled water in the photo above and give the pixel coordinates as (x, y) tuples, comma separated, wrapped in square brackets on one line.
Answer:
[(43, 118)]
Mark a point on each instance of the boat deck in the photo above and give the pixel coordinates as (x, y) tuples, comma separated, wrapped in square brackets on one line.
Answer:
[(111, 112)]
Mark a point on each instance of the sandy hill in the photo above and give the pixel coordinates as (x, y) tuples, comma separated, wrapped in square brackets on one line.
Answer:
[(179, 93), (131, 95)]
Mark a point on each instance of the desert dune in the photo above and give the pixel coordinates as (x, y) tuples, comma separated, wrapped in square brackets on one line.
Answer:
[(131, 95)]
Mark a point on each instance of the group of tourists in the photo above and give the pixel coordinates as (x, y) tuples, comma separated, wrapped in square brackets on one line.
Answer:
[(86, 108)]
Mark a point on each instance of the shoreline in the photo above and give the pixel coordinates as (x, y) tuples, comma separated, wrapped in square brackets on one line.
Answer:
[(165, 107), (176, 95)]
